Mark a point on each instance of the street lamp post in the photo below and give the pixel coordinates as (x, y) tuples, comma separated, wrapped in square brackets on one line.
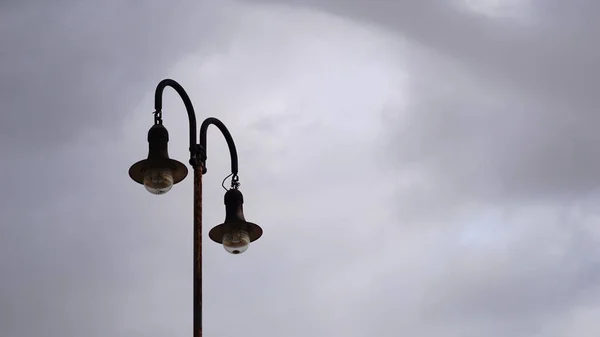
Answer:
[(158, 173)]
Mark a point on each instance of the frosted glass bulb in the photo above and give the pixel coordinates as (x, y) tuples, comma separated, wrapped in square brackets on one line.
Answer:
[(236, 242), (158, 181)]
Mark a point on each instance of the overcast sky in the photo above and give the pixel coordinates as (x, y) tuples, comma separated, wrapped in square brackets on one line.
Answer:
[(420, 168)]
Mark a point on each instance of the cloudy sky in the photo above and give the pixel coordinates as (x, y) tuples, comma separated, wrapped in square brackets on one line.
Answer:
[(420, 168)]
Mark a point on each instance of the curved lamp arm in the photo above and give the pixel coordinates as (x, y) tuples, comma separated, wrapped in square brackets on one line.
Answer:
[(228, 138), (189, 108), (195, 149)]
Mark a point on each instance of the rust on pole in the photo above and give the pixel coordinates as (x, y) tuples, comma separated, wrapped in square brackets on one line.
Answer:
[(198, 251)]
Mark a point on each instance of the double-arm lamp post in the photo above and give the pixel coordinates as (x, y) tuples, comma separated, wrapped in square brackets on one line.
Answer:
[(158, 173)]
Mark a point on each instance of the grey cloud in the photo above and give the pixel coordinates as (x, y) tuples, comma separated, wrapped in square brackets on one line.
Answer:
[(85, 251), (496, 109), (484, 143), (555, 55), (497, 114), (69, 66), (72, 258), (55, 248), (528, 283)]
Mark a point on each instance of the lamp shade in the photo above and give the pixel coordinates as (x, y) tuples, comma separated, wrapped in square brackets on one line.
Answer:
[(158, 157), (234, 219)]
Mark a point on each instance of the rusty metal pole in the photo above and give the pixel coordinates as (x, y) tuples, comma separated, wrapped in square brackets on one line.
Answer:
[(198, 251)]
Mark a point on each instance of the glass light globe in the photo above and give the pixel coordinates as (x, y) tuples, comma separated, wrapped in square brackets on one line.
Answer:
[(158, 181), (236, 242)]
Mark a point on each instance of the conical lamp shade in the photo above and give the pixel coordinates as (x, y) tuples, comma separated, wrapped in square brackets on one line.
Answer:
[(158, 157), (234, 219)]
